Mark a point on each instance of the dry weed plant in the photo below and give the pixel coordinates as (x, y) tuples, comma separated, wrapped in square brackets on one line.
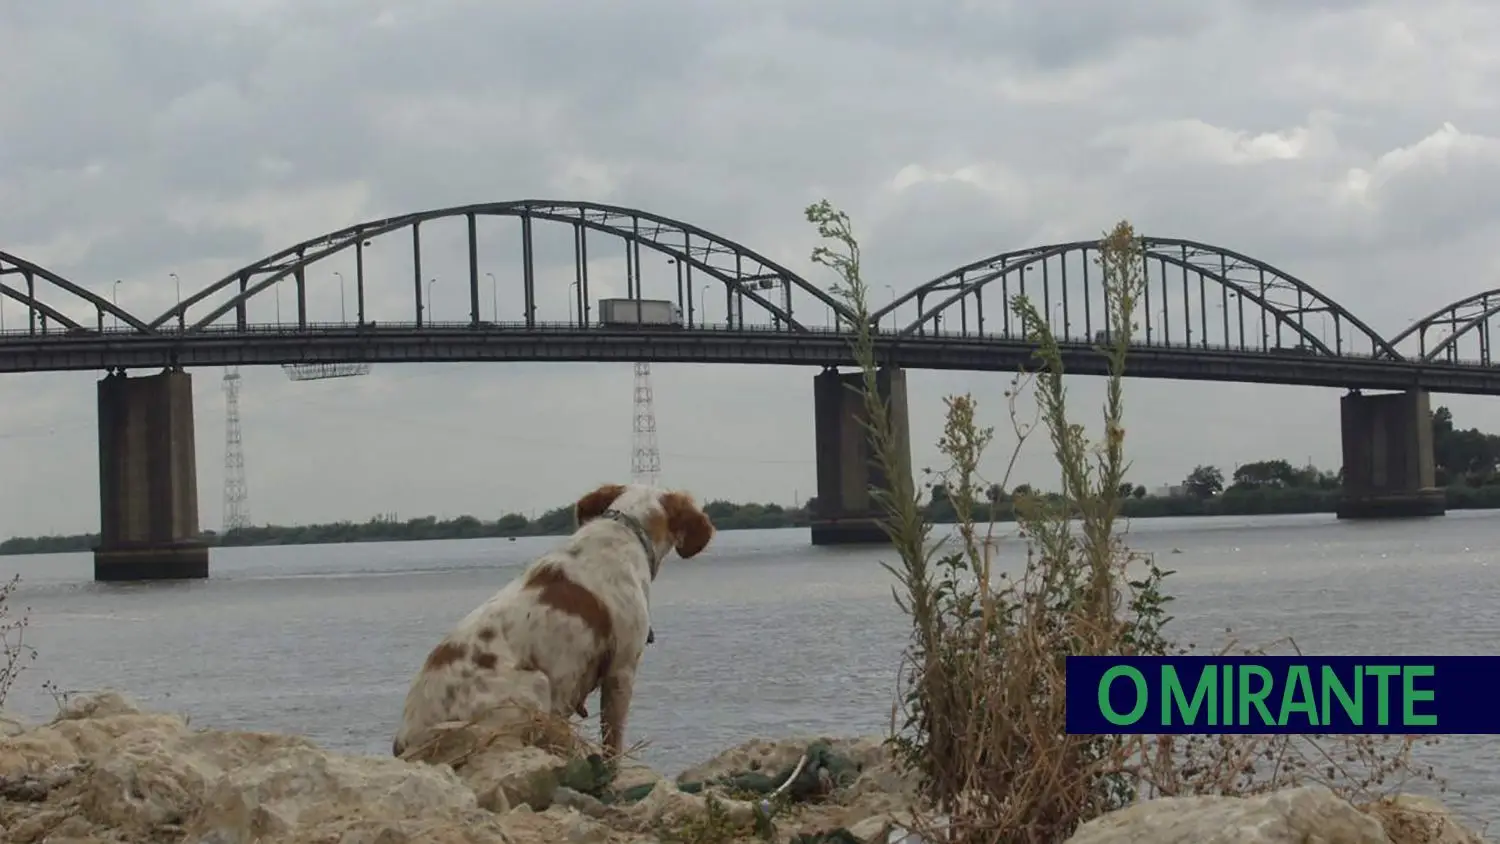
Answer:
[(15, 654), (512, 724), (981, 703)]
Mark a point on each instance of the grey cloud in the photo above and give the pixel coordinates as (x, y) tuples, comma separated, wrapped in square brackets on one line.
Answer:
[(1074, 31), (153, 137)]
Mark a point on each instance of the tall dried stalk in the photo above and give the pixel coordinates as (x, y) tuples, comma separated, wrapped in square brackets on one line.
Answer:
[(15, 654)]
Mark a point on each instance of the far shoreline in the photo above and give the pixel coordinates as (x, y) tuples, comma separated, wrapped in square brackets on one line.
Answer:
[(729, 517)]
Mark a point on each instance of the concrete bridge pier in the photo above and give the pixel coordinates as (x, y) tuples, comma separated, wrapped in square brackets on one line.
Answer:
[(846, 514), (148, 480), (1388, 462)]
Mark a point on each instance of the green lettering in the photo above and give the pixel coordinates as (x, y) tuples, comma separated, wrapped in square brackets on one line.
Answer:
[(1334, 687), (1383, 696), (1256, 698), (1410, 694), (1141, 696), (1298, 683), (1227, 704), (1172, 693)]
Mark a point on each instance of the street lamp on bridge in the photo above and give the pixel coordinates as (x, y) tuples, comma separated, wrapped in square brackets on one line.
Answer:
[(114, 298), (343, 315), (494, 298), (430, 283), (181, 317)]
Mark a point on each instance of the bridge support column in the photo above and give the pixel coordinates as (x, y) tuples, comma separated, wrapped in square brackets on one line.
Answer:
[(148, 480), (1388, 464), (846, 513)]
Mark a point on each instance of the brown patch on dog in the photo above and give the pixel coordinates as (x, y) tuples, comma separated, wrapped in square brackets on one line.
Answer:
[(686, 523), (486, 634), (555, 589), (443, 656), (658, 530), (590, 506), (485, 660)]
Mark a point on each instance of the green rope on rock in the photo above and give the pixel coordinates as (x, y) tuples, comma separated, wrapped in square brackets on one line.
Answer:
[(823, 772)]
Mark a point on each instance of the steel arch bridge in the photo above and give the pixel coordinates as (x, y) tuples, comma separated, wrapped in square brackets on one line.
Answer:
[(1195, 295), (1206, 313)]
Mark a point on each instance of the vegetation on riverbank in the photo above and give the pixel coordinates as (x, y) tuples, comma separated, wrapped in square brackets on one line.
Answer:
[(982, 711)]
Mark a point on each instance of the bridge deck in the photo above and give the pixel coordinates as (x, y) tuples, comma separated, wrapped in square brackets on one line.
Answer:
[(386, 343)]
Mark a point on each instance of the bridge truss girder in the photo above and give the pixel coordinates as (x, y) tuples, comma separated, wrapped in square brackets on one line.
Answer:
[(1469, 317), (744, 273), (40, 314), (1282, 301)]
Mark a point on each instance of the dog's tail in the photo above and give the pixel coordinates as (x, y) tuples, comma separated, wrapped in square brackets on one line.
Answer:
[(396, 748)]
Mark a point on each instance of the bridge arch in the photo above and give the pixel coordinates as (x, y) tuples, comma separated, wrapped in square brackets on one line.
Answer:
[(1469, 318), (42, 315), (1177, 307), (744, 273)]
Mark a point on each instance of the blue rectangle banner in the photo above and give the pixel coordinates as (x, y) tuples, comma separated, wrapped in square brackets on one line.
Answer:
[(1284, 694)]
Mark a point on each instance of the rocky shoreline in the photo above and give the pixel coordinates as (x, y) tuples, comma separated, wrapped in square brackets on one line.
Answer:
[(106, 772)]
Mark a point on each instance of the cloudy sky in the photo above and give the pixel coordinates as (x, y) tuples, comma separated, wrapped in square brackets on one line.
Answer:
[(1354, 144)]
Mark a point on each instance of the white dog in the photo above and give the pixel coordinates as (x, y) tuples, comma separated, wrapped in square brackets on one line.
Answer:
[(577, 619)]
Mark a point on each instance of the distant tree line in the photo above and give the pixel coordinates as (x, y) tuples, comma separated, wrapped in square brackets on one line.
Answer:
[(1468, 466), (1467, 462), (726, 515)]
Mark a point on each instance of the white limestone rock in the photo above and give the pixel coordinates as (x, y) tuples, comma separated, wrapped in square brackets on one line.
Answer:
[(1294, 816)]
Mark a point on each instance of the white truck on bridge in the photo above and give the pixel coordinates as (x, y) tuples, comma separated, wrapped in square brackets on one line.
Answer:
[(644, 313)]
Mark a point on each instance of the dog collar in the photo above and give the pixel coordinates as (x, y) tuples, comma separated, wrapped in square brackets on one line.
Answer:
[(640, 533)]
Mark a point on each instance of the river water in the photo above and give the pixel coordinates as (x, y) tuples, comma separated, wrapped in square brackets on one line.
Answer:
[(763, 634)]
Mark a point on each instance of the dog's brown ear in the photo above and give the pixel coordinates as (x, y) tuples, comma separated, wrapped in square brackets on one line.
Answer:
[(686, 522), (590, 506)]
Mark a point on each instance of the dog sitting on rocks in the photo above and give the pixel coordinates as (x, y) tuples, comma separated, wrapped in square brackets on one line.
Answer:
[(577, 619)]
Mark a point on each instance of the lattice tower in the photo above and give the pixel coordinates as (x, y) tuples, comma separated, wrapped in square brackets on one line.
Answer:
[(236, 493), (645, 460)]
